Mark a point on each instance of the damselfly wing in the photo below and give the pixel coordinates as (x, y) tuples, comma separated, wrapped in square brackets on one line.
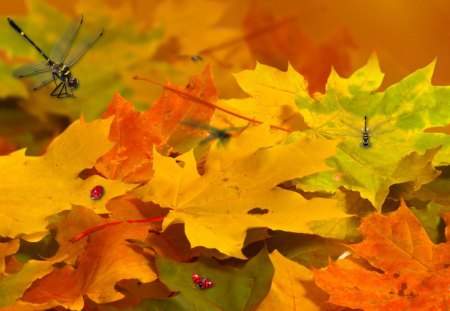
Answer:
[(366, 132)]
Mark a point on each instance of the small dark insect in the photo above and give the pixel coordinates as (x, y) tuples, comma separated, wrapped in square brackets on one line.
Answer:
[(196, 58), (367, 132), (196, 278), (97, 192), (56, 67), (205, 283), (223, 135)]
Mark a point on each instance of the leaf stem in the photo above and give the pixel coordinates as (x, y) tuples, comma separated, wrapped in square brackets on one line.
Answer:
[(208, 104), (81, 235)]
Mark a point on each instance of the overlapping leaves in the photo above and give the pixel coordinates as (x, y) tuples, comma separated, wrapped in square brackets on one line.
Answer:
[(398, 154), (228, 203), (35, 188), (413, 272), (242, 193)]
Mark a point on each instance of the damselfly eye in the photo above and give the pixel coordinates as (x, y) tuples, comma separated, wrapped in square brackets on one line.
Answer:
[(73, 83)]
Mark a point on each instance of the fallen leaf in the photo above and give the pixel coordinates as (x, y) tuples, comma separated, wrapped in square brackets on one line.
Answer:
[(396, 119), (50, 184), (410, 272), (272, 98), (135, 133), (246, 286), (14, 285), (225, 195), (292, 287), (106, 259)]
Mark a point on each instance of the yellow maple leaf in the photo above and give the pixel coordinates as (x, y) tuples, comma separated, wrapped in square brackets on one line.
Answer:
[(218, 207), (273, 93), (292, 287), (34, 188)]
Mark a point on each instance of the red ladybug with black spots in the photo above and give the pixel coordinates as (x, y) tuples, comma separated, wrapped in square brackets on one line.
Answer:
[(196, 278), (97, 192), (205, 283)]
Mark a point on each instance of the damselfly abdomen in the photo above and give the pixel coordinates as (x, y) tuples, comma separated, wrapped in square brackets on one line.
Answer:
[(56, 68)]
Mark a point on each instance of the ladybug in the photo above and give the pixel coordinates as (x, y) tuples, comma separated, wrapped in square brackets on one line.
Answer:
[(196, 278), (97, 192), (205, 283)]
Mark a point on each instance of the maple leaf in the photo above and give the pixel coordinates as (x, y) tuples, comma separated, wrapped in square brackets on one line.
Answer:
[(172, 243), (50, 183), (305, 249), (272, 97), (135, 132), (292, 287), (12, 286), (106, 259), (171, 109), (247, 286), (411, 272), (436, 191), (401, 114), (240, 193), (430, 218)]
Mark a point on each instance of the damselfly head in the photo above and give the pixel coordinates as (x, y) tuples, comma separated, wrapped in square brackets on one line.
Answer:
[(222, 135), (73, 83)]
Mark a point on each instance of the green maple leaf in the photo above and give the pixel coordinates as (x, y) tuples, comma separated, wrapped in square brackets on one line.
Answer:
[(400, 151), (245, 288)]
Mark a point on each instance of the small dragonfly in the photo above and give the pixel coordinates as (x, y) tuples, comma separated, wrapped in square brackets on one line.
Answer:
[(366, 132), (223, 135), (56, 68)]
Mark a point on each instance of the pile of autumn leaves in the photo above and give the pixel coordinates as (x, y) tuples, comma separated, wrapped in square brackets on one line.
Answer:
[(255, 215)]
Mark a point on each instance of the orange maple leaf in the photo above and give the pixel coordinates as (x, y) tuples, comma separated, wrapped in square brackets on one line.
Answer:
[(136, 132), (130, 159), (173, 108), (105, 260), (408, 271)]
